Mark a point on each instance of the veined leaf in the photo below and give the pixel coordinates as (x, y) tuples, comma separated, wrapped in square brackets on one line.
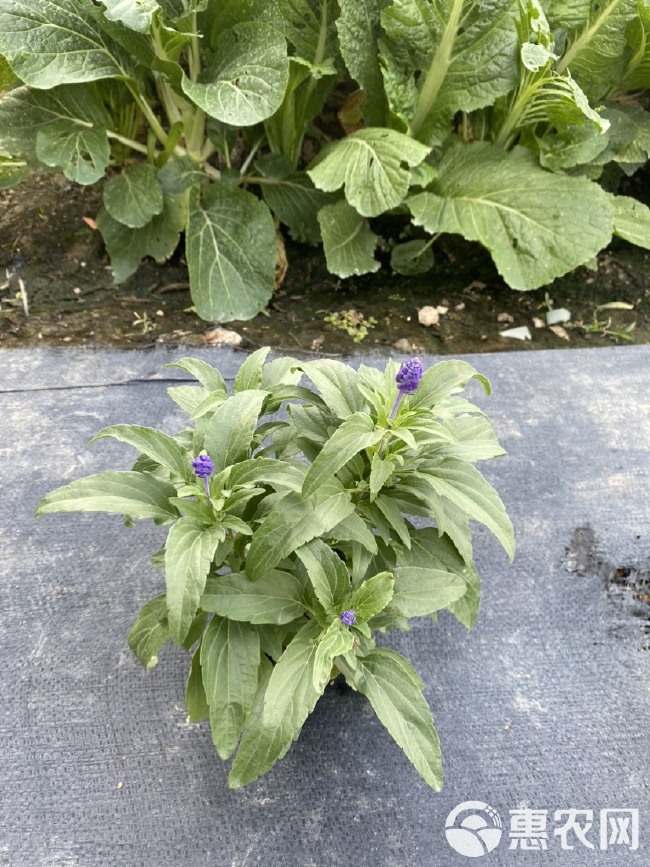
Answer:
[(372, 596), (205, 373), (296, 202), (134, 197), (248, 81), (231, 428), (632, 221), (274, 598), (328, 574), (150, 632), (336, 641), (391, 512), (230, 661), (309, 27), (348, 242), (189, 552), (160, 447), (137, 495), (372, 164), (51, 42), (231, 252), (196, 701), (338, 385), (249, 374), (536, 225), (395, 692), (134, 14), (420, 591), (357, 432), (359, 33), (442, 380)]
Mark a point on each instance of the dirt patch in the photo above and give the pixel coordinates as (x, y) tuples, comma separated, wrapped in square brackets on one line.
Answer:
[(53, 266)]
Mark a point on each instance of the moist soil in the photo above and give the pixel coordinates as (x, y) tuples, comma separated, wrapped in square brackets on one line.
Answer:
[(56, 288)]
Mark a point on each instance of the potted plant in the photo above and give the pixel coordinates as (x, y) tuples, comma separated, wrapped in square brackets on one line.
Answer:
[(291, 543)]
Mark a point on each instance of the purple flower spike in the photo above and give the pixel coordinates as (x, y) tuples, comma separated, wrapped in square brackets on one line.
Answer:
[(409, 376), (203, 466), (348, 618)]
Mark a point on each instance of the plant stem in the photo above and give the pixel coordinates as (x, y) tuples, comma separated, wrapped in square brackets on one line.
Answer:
[(129, 142)]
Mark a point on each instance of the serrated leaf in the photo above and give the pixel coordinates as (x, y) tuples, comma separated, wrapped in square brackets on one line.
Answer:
[(160, 447), (231, 428), (150, 632), (134, 14), (420, 591), (138, 495), (354, 529), (247, 82), (328, 574), (357, 432), (296, 202), (134, 197), (196, 702), (230, 661), (372, 596), (632, 221), (395, 692), (348, 242), (373, 166), (231, 253), (359, 33), (189, 552), (536, 225), (274, 598)]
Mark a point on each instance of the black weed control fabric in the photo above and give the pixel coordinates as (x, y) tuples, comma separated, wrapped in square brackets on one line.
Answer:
[(542, 709)]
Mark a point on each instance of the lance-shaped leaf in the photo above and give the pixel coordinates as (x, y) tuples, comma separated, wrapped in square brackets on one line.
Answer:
[(280, 475), (134, 14), (372, 596), (359, 33), (328, 574), (134, 197), (536, 225), (160, 447), (444, 57), (442, 380), (205, 373), (137, 495), (50, 42), (196, 700), (348, 242), (231, 428), (632, 221), (150, 632), (373, 165), (247, 83), (338, 385), (249, 374), (394, 690), (64, 127), (230, 662), (336, 641), (357, 432), (420, 591), (189, 551), (274, 598), (231, 253)]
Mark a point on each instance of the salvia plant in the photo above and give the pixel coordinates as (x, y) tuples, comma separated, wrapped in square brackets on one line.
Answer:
[(492, 119), (311, 509)]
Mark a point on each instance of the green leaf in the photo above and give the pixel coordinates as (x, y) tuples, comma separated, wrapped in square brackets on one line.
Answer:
[(536, 225), (395, 692), (274, 598), (372, 164), (348, 242), (137, 495), (412, 258), (134, 197), (336, 641), (296, 202), (7, 78), (196, 701), (248, 81), (354, 529), (372, 596), (474, 440), (157, 445), (380, 471), (281, 710), (189, 552), (338, 385), (391, 512), (632, 221), (280, 475), (178, 175), (134, 14), (293, 523), (150, 632), (188, 397), (420, 591), (308, 25), (442, 380), (357, 432), (128, 247), (359, 33), (328, 574), (230, 660), (51, 42), (205, 373), (250, 373), (231, 428), (231, 253)]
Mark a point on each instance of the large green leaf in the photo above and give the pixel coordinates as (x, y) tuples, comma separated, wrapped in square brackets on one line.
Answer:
[(296, 202), (348, 242), (134, 14), (189, 552), (309, 27), (358, 29), (420, 591), (328, 574), (134, 197), (159, 446), (150, 632), (395, 692), (138, 495), (442, 380), (231, 253), (50, 42), (278, 474), (231, 428), (445, 56), (230, 662), (372, 596), (205, 373), (274, 598), (373, 165), (536, 225), (357, 432), (632, 221), (338, 384), (291, 524), (64, 127), (247, 82)]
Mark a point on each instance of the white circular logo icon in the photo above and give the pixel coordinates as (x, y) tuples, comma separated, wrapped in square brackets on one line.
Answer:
[(473, 829)]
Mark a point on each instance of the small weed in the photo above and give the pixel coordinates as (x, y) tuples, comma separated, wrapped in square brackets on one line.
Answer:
[(603, 327), (143, 322), (352, 322)]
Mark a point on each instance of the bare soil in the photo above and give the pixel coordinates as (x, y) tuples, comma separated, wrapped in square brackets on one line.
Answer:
[(56, 288)]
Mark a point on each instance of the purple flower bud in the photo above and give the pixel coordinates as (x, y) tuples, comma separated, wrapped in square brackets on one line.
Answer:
[(348, 618), (203, 466), (409, 376)]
